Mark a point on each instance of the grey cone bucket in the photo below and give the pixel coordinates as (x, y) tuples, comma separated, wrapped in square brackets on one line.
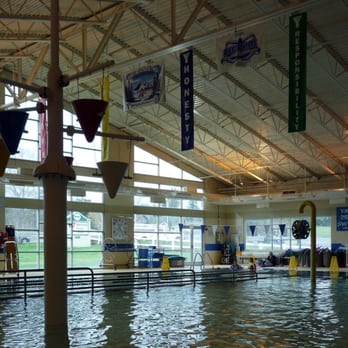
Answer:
[(112, 174)]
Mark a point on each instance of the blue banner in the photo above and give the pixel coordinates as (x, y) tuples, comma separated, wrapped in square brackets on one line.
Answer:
[(282, 229), (187, 119), (342, 219), (252, 229), (226, 229)]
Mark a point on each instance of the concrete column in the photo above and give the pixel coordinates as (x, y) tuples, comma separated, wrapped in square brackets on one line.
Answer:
[(55, 173)]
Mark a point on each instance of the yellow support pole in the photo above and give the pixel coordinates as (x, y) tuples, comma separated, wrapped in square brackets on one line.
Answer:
[(313, 235)]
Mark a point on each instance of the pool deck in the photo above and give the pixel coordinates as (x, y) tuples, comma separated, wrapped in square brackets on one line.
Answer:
[(217, 267), (197, 269)]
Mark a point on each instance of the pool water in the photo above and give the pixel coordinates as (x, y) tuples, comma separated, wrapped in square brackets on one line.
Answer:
[(273, 312)]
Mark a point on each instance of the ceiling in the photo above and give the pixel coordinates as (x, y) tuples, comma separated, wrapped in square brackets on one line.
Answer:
[(242, 144)]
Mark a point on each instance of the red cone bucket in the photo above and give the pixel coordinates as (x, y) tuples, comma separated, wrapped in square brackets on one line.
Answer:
[(112, 173), (4, 156), (69, 160), (89, 112), (12, 123)]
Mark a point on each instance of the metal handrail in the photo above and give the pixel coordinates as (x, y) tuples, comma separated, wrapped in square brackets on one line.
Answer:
[(23, 282), (31, 281), (18, 284)]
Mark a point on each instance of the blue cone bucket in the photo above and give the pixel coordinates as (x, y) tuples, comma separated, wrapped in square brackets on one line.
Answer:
[(12, 123)]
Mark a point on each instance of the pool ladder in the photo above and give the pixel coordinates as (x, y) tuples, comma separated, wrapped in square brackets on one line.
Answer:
[(202, 265)]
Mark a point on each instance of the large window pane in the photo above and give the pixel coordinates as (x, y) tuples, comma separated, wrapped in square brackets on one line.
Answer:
[(145, 230), (145, 168), (85, 238), (265, 234), (168, 170), (24, 192), (86, 157), (27, 236), (28, 150)]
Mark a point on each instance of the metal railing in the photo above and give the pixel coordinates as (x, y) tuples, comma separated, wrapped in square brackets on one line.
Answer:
[(226, 275), (25, 283), (30, 282)]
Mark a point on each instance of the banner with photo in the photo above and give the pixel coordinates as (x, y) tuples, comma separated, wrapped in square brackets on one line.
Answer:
[(240, 49), (143, 86)]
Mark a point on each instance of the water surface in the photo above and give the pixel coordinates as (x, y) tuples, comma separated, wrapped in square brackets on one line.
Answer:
[(274, 312)]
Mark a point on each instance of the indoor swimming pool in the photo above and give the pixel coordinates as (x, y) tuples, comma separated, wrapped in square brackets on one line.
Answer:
[(273, 312)]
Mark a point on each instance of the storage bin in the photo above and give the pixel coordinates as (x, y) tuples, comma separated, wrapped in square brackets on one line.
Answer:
[(155, 263), (143, 263), (176, 261), (143, 253), (155, 259)]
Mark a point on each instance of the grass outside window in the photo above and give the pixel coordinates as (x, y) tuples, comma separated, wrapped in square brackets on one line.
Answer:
[(31, 256)]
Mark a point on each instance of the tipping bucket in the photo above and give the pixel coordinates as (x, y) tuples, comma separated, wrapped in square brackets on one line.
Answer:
[(12, 123), (4, 157), (112, 173), (89, 112)]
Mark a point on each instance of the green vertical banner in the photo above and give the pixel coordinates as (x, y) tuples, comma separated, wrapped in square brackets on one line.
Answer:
[(297, 72)]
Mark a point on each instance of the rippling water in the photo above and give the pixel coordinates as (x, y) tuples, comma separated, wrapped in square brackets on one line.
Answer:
[(275, 312)]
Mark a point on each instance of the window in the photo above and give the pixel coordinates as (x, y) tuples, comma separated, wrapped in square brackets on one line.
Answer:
[(162, 231), (148, 164), (28, 235), (85, 238), (265, 234), (84, 234), (22, 190)]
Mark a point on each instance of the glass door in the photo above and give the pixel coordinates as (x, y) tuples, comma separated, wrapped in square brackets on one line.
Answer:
[(191, 241)]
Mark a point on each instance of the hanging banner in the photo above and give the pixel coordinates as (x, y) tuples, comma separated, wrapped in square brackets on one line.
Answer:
[(203, 227), (252, 229), (43, 129), (143, 86), (297, 72), (282, 229), (187, 119), (240, 49), (227, 229), (342, 219)]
